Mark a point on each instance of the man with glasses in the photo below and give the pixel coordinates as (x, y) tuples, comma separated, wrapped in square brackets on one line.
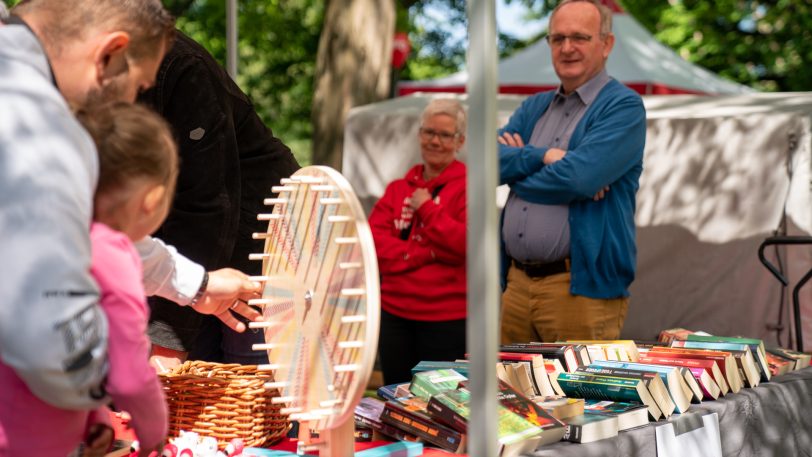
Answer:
[(572, 158)]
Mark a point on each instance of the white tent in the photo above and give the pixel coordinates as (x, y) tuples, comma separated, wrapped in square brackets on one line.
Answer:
[(720, 174), (637, 60)]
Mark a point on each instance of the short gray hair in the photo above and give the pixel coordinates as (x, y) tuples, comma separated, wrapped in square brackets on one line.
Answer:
[(449, 107), (64, 21), (605, 12)]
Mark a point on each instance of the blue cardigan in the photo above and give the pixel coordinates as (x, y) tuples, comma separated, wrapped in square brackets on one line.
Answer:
[(606, 149)]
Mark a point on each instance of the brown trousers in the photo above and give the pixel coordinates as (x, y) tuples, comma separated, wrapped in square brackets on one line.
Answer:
[(543, 309)]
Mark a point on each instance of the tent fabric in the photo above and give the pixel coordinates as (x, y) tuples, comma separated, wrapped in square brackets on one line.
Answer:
[(637, 60), (720, 174)]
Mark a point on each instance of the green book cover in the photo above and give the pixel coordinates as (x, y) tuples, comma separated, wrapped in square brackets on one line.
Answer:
[(428, 383), (451, 408)]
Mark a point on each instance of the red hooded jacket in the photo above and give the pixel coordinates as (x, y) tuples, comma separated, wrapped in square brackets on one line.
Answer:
[(423, 277)]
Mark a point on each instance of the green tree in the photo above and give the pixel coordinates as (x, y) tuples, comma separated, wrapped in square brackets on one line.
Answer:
[(438, 32), (760, 43), (278, 41), (763, 44)]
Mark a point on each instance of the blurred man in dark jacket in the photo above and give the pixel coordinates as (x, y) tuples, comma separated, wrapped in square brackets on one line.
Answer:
[(229, 162)]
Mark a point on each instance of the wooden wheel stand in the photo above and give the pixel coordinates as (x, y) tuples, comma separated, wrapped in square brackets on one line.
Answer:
[(321, 306)]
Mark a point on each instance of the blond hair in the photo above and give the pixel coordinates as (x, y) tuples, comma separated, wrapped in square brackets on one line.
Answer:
[(449, 107)]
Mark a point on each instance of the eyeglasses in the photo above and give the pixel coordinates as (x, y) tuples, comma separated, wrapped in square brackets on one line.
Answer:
[(558, 39), (445, 137)]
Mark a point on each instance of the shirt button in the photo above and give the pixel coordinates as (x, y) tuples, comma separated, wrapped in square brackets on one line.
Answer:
[(521, 235), (556, 140), (524, 209), (566, 114)]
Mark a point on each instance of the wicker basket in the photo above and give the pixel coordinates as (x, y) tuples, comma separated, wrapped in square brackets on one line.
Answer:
[(225, 401)]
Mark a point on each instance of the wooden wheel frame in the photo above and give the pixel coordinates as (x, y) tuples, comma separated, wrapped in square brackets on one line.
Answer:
[(320, 303)]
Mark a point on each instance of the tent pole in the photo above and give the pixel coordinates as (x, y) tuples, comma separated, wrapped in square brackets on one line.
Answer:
[(483, 233), (231, 38)]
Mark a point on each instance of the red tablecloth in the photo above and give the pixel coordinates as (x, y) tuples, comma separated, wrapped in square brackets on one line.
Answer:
[(125, 433), (290, 445)]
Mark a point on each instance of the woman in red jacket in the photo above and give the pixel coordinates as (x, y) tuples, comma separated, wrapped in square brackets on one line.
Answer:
[(419, 231)]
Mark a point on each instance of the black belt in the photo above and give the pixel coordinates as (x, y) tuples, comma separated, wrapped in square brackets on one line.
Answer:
[(538, 270)]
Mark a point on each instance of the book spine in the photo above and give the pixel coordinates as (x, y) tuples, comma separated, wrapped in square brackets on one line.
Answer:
[(443, 437), (440, 412)]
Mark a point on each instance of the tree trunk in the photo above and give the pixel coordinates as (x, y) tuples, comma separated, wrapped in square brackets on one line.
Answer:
[(352, 68)]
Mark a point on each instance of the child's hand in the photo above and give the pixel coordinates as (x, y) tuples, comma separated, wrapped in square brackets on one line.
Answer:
[(99, 439), (165, 359)]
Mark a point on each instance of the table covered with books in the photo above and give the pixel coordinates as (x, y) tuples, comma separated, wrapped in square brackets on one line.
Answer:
[(774, 419)]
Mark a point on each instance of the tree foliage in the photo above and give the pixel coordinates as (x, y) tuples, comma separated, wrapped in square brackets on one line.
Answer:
[(438, 32), (763, 44), (278, 41), (760, 43)]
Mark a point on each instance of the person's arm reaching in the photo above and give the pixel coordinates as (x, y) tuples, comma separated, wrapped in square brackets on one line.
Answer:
[(172, 276)]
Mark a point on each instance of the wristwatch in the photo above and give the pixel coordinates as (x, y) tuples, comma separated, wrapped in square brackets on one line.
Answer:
[(202, 290)]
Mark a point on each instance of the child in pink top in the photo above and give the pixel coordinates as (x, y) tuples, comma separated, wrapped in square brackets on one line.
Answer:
[(137, 173), (138, 169)]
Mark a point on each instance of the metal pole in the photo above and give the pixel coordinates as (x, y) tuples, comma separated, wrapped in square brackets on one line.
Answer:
[(231, 38), (483, 233)]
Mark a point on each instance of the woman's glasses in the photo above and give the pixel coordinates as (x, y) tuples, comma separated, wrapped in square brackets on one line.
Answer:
[(447, 139)]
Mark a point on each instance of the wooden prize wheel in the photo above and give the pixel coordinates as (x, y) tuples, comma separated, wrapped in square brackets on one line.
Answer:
[(321, 305)]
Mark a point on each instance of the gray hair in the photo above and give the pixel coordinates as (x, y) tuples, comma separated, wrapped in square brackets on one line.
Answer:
[(605, 12), (146, 21), (449, 107)]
